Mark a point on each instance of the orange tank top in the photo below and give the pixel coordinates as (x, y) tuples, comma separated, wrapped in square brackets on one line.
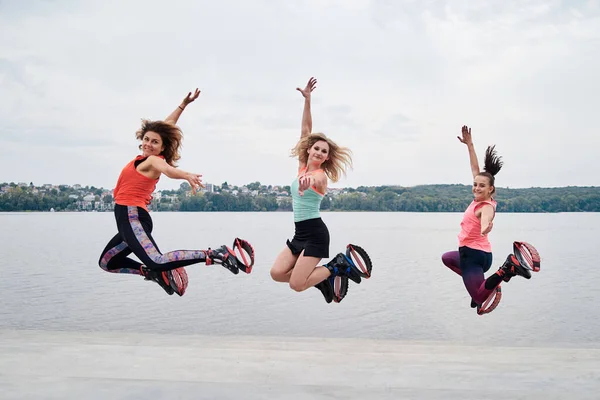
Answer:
[(133, 188), (470, 228)]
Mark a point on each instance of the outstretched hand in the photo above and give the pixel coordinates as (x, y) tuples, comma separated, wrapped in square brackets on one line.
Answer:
[(310, 86), (191, 97), (195, 181), (304, 182), (466, 135)]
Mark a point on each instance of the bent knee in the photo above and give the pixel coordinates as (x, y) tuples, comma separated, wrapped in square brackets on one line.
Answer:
[(450, 258), (103, 265), (275, 275), (297, 286), (278, 275)]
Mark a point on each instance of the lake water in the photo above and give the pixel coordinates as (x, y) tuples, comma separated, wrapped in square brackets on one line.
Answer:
[(51, 279)]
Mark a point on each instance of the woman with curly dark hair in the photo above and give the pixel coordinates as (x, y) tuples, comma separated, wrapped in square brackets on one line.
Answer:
[(161, 142)]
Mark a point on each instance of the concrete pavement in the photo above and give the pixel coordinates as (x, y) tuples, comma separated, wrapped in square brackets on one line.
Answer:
[(84, 365)]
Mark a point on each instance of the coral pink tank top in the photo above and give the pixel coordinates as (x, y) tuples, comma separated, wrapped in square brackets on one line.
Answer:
[(470, 228)]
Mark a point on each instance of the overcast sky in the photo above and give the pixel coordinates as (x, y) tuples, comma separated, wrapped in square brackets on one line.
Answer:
[(397, 80)]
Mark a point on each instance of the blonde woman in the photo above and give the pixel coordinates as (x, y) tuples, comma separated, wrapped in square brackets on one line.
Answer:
[(320, 160)]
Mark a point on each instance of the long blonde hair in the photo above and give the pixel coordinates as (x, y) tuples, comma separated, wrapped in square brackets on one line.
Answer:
[(340, 158)]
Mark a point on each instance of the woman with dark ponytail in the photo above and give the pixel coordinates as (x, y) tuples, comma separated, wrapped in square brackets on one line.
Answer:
[(474, 255)]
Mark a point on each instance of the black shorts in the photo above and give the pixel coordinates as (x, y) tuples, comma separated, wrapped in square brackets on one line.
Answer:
[(312, 236)]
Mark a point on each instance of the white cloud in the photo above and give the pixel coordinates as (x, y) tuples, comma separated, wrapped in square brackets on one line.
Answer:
[(397, 80)]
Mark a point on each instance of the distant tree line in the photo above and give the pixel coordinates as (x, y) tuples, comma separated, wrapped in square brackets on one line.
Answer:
[(62, 198), (228, 202), (456, 198), (425, 198)]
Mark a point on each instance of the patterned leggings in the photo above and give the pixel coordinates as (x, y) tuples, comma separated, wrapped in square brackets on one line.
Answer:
[(135, 228)]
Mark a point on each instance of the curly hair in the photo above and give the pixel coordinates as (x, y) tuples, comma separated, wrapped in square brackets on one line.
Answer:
[(491, 166), (340, 158), (170, 134)]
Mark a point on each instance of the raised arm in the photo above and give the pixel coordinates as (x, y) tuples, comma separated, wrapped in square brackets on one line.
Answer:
[(467, 139), (306, 115), (174, 116)]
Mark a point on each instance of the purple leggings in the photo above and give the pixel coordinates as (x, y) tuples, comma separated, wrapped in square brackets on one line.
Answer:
[(471, 264)]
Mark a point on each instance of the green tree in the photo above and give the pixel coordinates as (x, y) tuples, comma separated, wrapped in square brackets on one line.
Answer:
[(285, 204), (253, 186), (326, 203), (184, 187)]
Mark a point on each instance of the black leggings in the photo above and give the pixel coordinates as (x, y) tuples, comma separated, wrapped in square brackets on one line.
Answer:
[(135, 228)]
